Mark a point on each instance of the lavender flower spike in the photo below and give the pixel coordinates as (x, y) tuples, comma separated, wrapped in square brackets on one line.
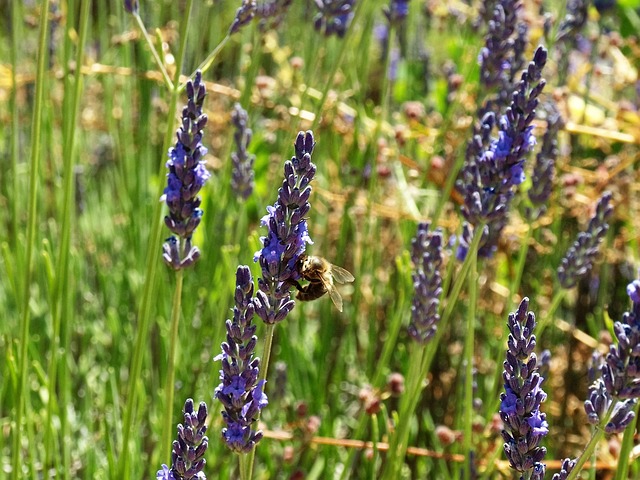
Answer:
[(187, 455), (620, 380), (397, 11), (334, 16), (427, 258), (497, 56), (544, 167), (131, 6), (287, 234), (240, 392), (579, 258), (242, 175), (244, 15), (495, 166), (565, 469), (524, 424), (187, 175)]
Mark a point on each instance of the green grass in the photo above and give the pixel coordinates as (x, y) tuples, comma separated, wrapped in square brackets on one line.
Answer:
[(86, 119)]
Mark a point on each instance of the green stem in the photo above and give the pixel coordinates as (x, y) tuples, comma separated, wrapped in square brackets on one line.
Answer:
[(252, 72), (154, 52), (622, 472), (555, 303), (424, 356), (514, 286), (169, 388), (264, 367), (206, 64), (61, 286), (16, 29), (375, 437), (593, 443), (336, 65), (36, 136), (468, 358), (153, 255)]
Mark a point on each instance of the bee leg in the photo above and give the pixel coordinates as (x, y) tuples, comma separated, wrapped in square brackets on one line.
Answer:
[(295, 283)]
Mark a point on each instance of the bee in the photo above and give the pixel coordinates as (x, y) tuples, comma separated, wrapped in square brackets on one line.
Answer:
[(321, 275)]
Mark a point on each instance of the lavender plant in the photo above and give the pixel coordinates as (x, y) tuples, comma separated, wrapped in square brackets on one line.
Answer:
[(544, 166), (334, 16), (187, 175), (187, 455), (427, 258), (580, 256), (614, 395), (524, 424), (498, 56), (494, 167), (242, 174), (240, 391), (287, 234)]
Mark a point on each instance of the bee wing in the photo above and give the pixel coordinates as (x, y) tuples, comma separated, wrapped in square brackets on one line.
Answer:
[(327, 282), (335, 297), (341, 275)]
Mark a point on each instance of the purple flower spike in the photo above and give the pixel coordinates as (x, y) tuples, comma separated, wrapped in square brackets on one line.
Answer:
[(579, 258), (565, 470), (244, 15), (131, 6), (287, 234), (620, 372), (498, 55), (544, 167), (240, 392), (427, 258), (334, 16), (633, 290), (187, 175), (494, 167), (397, 11), (242, 175), (524, 424), (187, 455)]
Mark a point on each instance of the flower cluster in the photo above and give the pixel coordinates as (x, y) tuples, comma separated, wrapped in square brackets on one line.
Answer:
[(242, 174), (495, 166), (501, 57), (187, 455), (544, 166), (580, 256), (620, 380), (397, 11), (334, 16), (524, 424), (244, 14), (187, 175), (565, 469), (426, 255), (240, 392), (287, 234)]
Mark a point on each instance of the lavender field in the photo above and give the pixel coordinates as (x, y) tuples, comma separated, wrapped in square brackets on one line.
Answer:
[(320, 239)]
